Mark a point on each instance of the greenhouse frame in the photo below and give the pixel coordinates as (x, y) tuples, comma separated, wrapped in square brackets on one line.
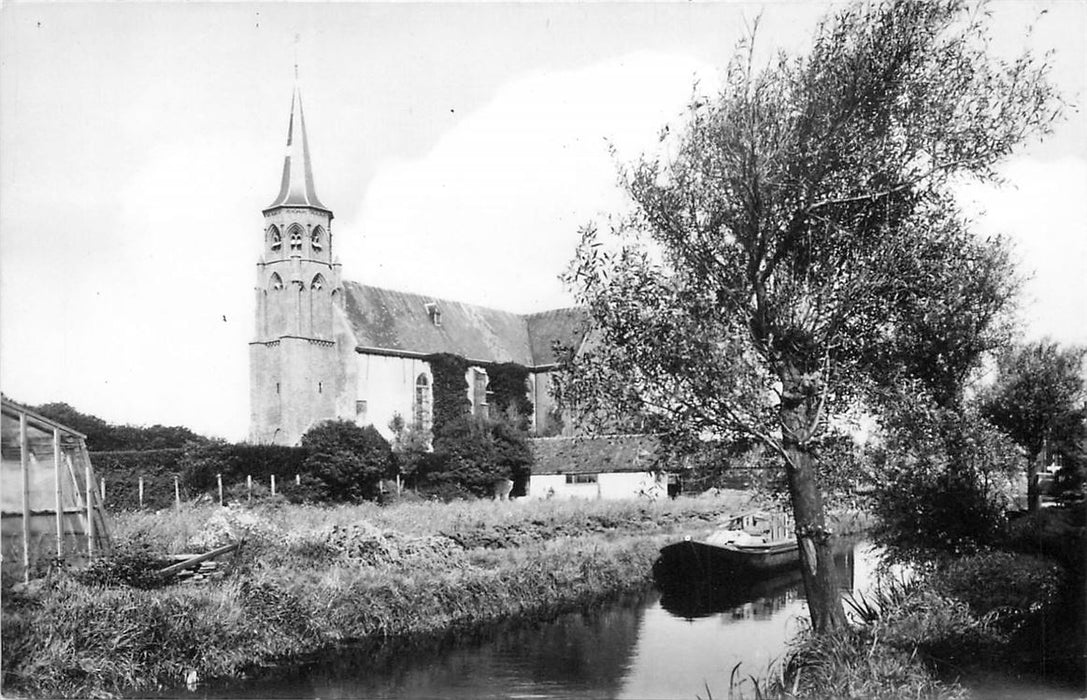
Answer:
[(51, 511)]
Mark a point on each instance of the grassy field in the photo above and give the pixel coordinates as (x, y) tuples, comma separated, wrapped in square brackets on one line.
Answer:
[(309, 578)]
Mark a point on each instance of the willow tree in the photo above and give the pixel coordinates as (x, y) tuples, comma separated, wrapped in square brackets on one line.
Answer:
[(797, 233)]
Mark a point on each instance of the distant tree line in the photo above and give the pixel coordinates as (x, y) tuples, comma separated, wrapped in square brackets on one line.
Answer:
[(108, 437), (336, 461)]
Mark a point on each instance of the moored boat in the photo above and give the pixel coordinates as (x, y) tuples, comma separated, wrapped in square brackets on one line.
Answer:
[(752, 545)]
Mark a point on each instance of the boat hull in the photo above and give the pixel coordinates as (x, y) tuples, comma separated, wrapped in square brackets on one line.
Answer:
[(700, 560)]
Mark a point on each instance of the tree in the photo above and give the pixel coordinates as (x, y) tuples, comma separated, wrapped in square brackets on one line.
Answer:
[(800, 234), (348, 459), (940, 476), (1038, 400), (474, 453)]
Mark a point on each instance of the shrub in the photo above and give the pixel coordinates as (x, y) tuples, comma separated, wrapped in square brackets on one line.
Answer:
[(1014, 587), (348, 461), (934, 495), (130, 564), (473, 453), (122, 472)]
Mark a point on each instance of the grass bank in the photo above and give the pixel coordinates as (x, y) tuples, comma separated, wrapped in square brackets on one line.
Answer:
[(310, 578)]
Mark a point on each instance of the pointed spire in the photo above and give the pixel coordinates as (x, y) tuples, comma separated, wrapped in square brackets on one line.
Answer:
[(297, 188)]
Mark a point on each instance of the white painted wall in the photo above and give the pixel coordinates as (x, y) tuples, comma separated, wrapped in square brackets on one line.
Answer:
[(387, 385), (609, 486)]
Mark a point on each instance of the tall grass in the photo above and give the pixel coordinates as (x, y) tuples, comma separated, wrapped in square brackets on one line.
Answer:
[(309, 578)]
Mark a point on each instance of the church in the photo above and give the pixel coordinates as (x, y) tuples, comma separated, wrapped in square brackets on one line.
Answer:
[(328, 348)]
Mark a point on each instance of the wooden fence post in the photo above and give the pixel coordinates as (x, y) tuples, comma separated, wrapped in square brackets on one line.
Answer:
[(24, 463), (57, 457), (177, 493), (103, 483), (249, 486), (219, 478), (141, 492), (297, 479), (273, 484)]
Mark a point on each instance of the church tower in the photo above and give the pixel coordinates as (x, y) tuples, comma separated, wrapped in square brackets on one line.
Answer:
[(296, 378)]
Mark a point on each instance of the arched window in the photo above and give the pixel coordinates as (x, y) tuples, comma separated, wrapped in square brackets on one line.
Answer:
[(275, 237), (296, 237), (317, 238), (276, 283), (318, 283), (421, 406)]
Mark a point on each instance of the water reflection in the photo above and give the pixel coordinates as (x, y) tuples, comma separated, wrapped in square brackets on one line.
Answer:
[(759, 597), (671, 645)]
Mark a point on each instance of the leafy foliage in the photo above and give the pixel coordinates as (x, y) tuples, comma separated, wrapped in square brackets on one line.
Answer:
[(103, 436), (349, 461), (938, 478), (473, 453), (122, 471), (508, 385), (1039, 400), (1016, 585), (800, 242), (450, 389), (131, 564)]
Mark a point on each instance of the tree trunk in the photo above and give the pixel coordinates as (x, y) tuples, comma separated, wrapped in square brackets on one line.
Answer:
[(815, 540), (1033, 500)]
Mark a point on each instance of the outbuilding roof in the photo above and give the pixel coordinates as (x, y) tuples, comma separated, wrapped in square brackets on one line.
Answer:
[(595, 455)]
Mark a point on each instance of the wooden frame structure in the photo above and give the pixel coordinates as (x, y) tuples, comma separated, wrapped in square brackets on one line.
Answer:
[(50, 506)]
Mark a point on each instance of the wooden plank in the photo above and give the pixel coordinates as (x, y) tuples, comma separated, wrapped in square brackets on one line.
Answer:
[(37, 419), (101, 531), (57, 457), (89, 484), (24, 463), (193, 561)]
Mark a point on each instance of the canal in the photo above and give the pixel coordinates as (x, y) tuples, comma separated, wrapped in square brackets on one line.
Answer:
[(644, 646)]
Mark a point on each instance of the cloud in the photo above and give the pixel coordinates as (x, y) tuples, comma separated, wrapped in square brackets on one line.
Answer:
[(1042, 209), (490, 215)]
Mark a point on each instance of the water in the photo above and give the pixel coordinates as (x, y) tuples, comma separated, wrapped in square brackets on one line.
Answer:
[(642, 647)]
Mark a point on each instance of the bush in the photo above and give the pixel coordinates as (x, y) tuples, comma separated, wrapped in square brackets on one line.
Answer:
[(474, 453), (346, 462), (1015, 586), (131, 564), (201, 464), (935, 494), (122, 472)]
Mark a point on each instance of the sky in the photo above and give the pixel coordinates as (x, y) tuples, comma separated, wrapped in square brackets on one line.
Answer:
[(460, 147)]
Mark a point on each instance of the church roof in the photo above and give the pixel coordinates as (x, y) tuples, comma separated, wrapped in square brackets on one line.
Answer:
[(403, 322), (296, 188)]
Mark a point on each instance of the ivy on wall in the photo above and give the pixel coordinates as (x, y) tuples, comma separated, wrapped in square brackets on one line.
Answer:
[(508, 384), (450, 389), (507, 388)]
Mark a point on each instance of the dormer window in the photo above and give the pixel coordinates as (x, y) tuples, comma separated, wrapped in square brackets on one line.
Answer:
[(434, 314), (296, 240)]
